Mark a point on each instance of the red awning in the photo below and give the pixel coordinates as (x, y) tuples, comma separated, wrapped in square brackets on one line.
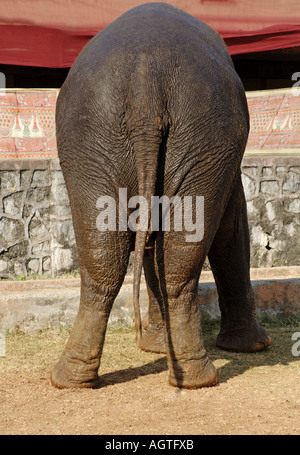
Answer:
[(51, 33)]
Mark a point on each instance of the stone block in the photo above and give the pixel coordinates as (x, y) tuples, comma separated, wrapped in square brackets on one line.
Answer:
[(11, 231), (280, 171), (295, 206), (3, 266), (62, 259), (46, 264), (37, 230), (271, 214), (250, 187), (13, 204), (19, 269), (270, 187), (251, 170), (39, 197), (63, 231), (292, 183), (42, 248), (290, 229), (267, 171), (295, 169), (252, 209), (25, 178), (9, 180), (40, 178), (59, 194), (258, 236), (60, 211), (34, 266), (57, 177)]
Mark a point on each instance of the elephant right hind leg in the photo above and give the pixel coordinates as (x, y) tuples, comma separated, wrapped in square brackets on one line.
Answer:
[(229, 258), (179, 265)]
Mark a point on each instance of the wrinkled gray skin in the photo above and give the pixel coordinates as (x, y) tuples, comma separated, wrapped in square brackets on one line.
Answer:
[(153, 104)]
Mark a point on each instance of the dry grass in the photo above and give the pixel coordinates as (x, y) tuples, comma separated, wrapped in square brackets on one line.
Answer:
[(41, 349), (258, 393)]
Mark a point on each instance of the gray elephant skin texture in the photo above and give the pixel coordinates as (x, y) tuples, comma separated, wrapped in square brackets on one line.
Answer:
[(153, 105)]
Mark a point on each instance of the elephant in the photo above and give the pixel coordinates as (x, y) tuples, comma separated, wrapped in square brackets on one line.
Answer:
[(153, 106)]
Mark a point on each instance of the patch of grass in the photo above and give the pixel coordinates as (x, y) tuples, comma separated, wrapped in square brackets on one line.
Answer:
[(37, 352), (33, 350), (120, 351), (284, 320), (40, 350), (278, 356), (210, 323), (21, 278)]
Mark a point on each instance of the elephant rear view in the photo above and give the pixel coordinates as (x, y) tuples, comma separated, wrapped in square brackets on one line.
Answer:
[(152, 123)]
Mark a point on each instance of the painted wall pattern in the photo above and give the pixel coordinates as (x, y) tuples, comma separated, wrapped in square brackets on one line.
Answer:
[(27, 123), (274, 122)]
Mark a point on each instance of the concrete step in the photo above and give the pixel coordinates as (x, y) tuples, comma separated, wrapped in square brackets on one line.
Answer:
[(37, 304)]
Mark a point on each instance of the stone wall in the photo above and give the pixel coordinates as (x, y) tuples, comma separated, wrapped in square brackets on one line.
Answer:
[(36, 231), (37, 237), (272, 189)]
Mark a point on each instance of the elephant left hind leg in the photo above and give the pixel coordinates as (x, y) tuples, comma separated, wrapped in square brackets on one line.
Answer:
[(229, 257), (101, 278)]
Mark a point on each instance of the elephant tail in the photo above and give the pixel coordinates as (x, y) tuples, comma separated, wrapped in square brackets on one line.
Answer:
[(138, 265), (146, 150)]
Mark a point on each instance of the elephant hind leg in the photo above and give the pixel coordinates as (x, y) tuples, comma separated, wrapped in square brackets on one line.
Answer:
[(229, 257), (179, 264), (102, 274)]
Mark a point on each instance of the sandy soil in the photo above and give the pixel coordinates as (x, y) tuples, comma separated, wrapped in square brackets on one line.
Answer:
[(257, 396)]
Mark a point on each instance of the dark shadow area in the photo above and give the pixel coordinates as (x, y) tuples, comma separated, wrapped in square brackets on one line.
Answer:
[(258, 71), (33, 77), (267, 70), (129, 374)]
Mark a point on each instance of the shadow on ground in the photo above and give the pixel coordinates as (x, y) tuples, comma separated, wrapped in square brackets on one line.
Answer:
[(280, 352), (129, 374)]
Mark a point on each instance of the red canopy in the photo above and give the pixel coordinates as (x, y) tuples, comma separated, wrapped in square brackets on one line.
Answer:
[(51, 33)]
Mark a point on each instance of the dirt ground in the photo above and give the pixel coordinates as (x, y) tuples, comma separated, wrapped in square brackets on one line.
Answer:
[(257, 394)]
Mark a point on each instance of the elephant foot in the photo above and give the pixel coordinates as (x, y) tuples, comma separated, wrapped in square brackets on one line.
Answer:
[(243, 340), (154, 340), (79, 364), (193, 373), (71, 372)]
